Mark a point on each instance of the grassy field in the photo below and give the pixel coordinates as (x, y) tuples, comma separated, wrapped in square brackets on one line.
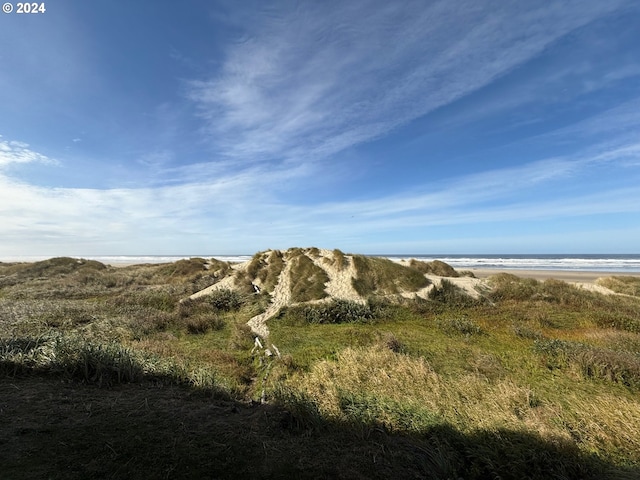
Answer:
[(107, 373)]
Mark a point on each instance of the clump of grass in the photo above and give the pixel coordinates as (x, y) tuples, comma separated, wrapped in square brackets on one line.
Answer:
[(339, 259), (450, 294), (147, 322), (74, 357), (269, 275), (622, 284), (225, 300), (556, 353), (241, 337), (409, 385), (184, 267), (256, 264), (204, 324), (307, 280), (459, 325), (369, 410), (335, 311), (102, 364), (390, 341), (146, 298), (383, 276), (435, 267), (523, 331), (591, 362), (506, 286), (612, 366), (618, 319), (265, 267)]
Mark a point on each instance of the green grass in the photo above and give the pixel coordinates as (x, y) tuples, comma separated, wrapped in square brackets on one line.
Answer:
[(436, 267), (105, 373), (384, 277), (307, 279)]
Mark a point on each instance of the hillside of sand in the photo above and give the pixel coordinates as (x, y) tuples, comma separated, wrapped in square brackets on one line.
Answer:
[(311, 275)]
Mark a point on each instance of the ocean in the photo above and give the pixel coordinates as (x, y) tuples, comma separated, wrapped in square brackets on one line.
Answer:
[(571, 262)]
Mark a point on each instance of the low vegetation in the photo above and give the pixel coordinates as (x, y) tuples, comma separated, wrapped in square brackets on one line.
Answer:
[(307, 279), (114, 373), (436, 267), (384, 277), (624, 285)]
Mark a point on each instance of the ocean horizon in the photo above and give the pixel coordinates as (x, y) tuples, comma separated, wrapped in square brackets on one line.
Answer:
[(621, 263)]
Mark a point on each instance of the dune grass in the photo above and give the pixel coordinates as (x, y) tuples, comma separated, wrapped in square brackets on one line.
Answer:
[(383, 276), (307, 279), (622, 284), (537, 380), (537, 360)]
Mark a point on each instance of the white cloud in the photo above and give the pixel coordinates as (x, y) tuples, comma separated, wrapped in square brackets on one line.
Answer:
[(243, 211), (13, 152), (316, 80)]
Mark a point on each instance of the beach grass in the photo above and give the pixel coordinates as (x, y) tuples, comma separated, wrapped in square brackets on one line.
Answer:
[(109, 372)]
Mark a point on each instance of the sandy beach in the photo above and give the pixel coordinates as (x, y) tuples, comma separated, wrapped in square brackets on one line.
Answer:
[(565, 275)]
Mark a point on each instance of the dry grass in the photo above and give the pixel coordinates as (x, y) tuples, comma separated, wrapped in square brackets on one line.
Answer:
[(401, 393), (622, 284), (541, 382)]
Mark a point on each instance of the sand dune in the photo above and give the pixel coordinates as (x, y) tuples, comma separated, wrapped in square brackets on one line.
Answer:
[(341, 272)]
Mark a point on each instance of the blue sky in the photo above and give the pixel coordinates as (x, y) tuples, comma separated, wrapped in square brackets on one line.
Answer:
[(227, 127)]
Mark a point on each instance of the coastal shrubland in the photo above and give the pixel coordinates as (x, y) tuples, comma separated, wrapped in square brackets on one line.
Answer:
[(122, 372)]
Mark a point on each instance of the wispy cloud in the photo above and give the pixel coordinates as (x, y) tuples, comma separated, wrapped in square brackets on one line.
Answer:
[(307, 80), (14, 152), (230, 207), (310, 83)]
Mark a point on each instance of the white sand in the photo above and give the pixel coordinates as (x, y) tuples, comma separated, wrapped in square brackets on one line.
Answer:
[(340, 283)]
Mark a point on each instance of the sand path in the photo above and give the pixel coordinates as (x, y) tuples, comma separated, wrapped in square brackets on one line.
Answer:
[(280, 297)]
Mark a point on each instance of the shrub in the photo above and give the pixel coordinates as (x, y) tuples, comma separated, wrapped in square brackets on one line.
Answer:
[(390, 341), (336, 311), (346, 311), (225, 300)]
